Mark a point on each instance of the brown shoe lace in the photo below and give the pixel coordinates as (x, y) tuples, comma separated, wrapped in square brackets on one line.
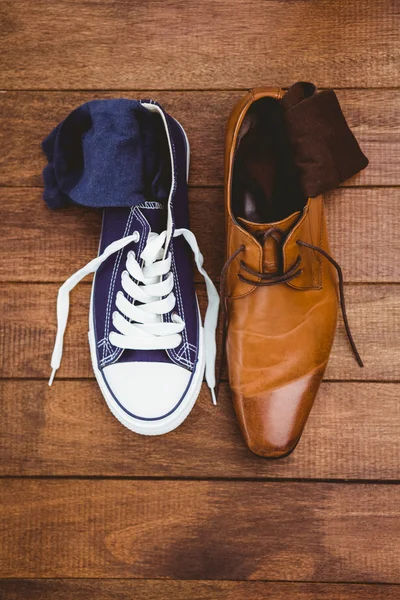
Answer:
[(341, 293), (267, 279)]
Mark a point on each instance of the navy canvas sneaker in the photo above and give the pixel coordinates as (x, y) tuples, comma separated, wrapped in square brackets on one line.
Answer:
[(148, 347)]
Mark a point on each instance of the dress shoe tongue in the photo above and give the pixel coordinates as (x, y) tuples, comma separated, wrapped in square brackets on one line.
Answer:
[(259, 228), (271, 249)]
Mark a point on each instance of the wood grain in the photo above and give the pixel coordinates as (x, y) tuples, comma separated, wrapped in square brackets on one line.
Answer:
[(27, 117), (114, 589), (200, 530), (89, 518), (44, 246), (27, 332), (67, 430), (171, 45)]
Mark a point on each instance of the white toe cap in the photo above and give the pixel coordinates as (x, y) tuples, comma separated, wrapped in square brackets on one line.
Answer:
[(147, 390)]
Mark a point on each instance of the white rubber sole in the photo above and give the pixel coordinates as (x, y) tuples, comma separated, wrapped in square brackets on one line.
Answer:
[(173, 420)]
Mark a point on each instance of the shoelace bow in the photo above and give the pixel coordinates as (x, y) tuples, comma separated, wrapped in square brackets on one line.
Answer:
[(149, 283), (267, 279)]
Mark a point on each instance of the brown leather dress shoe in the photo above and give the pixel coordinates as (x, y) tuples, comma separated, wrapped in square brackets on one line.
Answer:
[(279, 284)]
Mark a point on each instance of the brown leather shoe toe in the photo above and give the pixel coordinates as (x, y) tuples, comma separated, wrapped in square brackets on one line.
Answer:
[(273, 421)]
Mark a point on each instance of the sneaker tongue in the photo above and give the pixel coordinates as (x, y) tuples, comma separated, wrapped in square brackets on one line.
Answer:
[(271, 250), (155, 214)]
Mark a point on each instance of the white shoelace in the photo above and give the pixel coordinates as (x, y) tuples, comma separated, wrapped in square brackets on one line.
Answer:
[(141, 327)]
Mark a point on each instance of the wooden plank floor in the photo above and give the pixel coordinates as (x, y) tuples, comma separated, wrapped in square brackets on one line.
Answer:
[(89, 509)]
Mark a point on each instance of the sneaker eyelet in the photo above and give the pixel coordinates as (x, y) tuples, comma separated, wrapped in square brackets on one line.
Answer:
[(137, 236), (132, 254)]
